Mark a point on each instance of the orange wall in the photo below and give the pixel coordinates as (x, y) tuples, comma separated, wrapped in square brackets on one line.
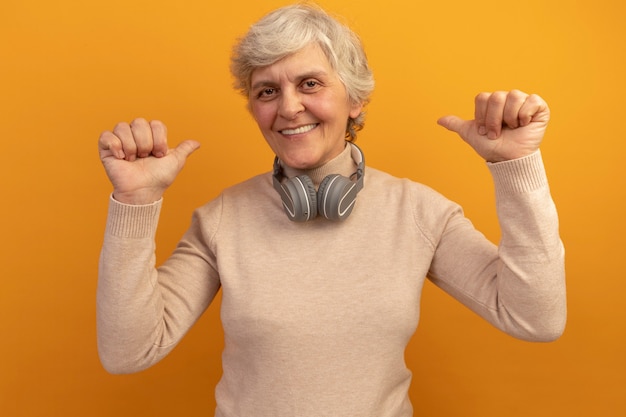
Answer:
[(69, 69)]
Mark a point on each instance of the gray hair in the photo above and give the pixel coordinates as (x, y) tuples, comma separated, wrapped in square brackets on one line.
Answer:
[(289, 29)]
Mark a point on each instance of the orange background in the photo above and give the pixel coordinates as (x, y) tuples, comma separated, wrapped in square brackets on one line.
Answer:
[(70, 69)]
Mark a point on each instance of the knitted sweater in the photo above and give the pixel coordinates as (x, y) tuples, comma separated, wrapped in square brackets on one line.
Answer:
[(317, 315)]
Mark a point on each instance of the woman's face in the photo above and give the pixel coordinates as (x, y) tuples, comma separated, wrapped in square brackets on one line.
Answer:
[(302, 108)]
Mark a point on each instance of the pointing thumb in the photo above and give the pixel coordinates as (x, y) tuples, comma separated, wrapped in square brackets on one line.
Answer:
[(186, 148), (453, 123)]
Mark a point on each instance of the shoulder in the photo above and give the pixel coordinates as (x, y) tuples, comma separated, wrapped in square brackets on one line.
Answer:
[(381, 182), (429, 210), (246, 196)]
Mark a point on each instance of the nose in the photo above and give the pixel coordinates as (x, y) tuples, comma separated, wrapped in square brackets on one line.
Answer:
[(290, 104)]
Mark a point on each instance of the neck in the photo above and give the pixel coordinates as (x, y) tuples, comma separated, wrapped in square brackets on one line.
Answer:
[(342, 164)]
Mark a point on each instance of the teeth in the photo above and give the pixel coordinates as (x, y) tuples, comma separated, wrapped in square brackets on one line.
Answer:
[(302, 129)]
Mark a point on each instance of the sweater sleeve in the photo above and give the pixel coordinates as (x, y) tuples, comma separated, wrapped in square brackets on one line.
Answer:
[(518, 286), (143, 311)]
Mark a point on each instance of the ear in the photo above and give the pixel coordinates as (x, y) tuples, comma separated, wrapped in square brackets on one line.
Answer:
[(355, 109)]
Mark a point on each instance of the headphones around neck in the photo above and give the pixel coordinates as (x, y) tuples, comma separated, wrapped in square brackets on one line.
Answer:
[(333, 200)]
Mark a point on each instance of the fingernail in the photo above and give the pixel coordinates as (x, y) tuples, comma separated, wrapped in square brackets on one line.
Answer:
[(482, 130)]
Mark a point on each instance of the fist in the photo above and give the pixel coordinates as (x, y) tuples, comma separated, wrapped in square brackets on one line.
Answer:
[(139, 163), (506, 125)]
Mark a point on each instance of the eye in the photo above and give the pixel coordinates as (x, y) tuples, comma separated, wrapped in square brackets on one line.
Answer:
[(311, 85), (266, 92)]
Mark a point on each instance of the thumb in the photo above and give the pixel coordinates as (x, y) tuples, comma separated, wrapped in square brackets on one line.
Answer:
[(453, 123), (186, 148)]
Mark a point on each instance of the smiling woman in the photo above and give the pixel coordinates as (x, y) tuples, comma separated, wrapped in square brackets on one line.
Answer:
[(69, 69), (318, 309)]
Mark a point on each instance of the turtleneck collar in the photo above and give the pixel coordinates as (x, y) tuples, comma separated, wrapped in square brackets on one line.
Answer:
[(342, 164)]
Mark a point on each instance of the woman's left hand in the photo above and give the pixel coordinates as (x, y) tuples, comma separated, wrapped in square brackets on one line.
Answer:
[(506, 125)]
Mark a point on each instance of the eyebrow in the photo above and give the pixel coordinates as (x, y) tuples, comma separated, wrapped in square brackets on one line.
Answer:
[(300, 78)]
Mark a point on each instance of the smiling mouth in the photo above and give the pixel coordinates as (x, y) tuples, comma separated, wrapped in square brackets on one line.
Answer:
[(299, 130)]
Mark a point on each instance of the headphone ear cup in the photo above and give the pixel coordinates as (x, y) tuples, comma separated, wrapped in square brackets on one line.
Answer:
[(304, 196), (336, 197)]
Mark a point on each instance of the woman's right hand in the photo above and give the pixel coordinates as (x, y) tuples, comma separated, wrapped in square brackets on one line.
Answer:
[(139, 163)]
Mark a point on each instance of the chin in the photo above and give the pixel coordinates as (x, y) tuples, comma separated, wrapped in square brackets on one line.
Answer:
[(301, 159), (300, 164)]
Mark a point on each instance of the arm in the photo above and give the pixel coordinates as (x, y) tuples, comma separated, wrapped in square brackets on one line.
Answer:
[(520, 285), (142, 312)]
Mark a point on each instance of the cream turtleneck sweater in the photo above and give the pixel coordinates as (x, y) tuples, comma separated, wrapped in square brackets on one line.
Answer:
[(317, 315)]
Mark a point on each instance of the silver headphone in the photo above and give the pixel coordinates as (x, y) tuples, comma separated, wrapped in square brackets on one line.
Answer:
[(334, 199)]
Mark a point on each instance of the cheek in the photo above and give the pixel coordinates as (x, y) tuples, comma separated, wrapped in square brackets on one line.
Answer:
[(322, 109), (262, 114), (331, 107)]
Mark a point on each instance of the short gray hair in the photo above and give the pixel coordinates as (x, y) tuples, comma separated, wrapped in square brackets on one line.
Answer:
[(289, 29)]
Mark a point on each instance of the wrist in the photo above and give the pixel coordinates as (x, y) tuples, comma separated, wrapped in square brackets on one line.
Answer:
[(137, 198)]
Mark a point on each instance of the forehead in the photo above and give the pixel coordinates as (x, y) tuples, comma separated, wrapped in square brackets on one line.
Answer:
[(308, 61)]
